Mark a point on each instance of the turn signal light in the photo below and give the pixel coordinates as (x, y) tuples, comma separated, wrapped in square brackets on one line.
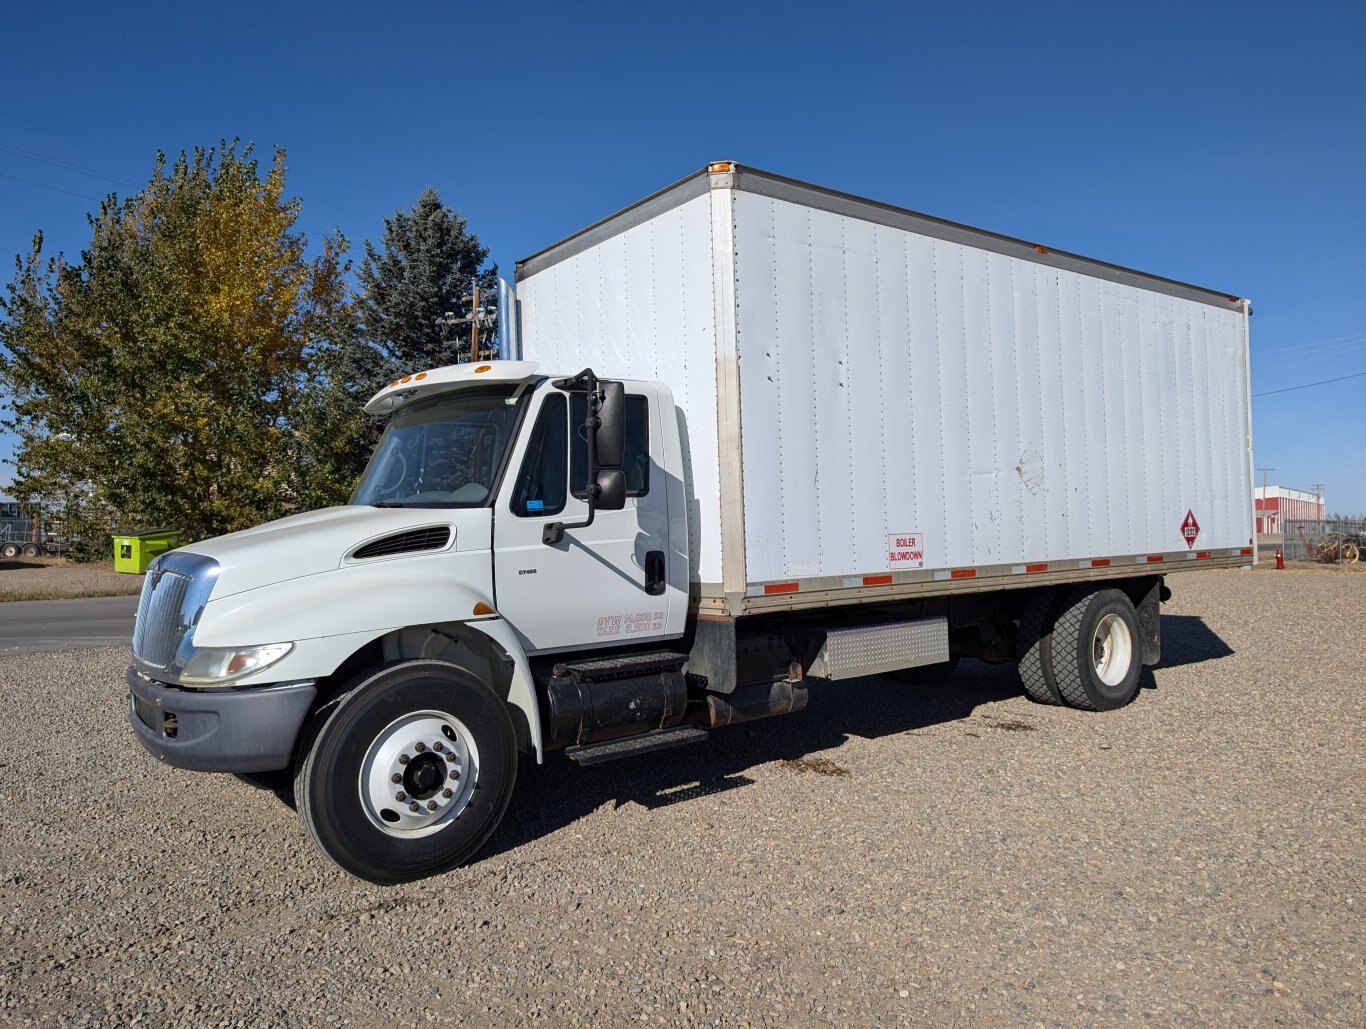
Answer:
[(483, 609)]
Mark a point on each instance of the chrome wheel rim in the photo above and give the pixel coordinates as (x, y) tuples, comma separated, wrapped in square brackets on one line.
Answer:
[(1112, 650), (419, 774)]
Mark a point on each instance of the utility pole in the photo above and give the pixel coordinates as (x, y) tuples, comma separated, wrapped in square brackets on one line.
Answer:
[(1318, 495), (476, 315), (1266, 510)]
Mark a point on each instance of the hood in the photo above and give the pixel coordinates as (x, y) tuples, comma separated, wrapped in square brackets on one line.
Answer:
[(319, 541)]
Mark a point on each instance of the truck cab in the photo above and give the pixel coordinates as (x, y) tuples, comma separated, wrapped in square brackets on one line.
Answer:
[(505, 517)]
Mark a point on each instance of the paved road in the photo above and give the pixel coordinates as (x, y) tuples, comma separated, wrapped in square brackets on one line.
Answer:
[(30, 626)]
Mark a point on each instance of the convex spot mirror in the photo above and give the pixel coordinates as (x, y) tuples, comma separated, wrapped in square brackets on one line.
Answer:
[(611, 489), (611, 434)]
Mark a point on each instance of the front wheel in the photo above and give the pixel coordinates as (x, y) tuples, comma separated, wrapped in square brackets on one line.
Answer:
[(1096, 656), (409, 774)]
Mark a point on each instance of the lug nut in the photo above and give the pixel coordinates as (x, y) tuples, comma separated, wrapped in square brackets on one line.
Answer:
[(395, 778), (455, 773), (403, 759), (420, 747), (448, 794), (436, 745), (400, 796), (414, 807), (431, 805)]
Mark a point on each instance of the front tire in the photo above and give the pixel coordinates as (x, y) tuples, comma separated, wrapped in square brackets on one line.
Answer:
[(409, 773), (1096, 655)]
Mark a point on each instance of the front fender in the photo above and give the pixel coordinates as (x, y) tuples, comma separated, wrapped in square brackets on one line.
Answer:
[(364, 599), (522, 688)]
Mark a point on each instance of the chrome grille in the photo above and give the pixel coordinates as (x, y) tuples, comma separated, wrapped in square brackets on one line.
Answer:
[(173, 596)]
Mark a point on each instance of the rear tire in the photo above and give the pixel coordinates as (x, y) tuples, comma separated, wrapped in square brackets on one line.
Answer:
[(448, 739), (1034, 648), (1096, 652), (31, 550), (926, 675), (9, 550)]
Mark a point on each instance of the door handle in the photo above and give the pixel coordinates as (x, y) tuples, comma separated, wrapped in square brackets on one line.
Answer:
[(654, 573)]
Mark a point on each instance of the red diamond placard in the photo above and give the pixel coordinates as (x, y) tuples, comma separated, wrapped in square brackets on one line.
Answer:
[(1190, 528)]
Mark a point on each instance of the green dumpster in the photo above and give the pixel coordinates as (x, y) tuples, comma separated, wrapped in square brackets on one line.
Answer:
[(135, 551)]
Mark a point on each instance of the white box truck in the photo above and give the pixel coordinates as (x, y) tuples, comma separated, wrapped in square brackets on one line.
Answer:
[(748, 432)]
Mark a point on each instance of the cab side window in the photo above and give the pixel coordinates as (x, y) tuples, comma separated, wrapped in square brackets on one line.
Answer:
[(636, 457), (541, 482)]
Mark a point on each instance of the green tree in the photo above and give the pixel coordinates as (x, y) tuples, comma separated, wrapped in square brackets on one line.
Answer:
[(410, 285), (154, 382), (427, 263)]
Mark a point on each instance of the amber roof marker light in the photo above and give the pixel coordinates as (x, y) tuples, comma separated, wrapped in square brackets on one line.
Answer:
[(721, 167)]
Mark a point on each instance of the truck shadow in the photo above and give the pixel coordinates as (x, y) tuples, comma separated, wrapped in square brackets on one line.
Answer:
[(1187, 640), (555, 795)]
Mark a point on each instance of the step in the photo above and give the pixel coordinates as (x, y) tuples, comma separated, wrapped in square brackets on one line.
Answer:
[(624, 666), (660, 739)]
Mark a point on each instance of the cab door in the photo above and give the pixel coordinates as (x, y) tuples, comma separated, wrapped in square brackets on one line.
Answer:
[(606, 584)]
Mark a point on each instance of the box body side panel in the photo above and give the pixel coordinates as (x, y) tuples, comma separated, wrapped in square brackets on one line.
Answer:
[(639, 305), (982, 408)]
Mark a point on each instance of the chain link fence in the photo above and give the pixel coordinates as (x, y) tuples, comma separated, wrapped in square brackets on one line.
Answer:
[(1331, 540)]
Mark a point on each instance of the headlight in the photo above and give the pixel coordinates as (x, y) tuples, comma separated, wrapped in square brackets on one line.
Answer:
[(212, 666)]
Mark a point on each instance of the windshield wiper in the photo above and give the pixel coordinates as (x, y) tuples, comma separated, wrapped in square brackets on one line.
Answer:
[(389, 503)]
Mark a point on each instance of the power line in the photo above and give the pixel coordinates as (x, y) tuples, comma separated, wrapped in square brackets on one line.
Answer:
[(44, 185), (57, 162), (1321, 382), (1315, 343), (1334, 351)]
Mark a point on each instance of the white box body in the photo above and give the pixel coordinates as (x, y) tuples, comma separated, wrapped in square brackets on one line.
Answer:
[(881, 402)]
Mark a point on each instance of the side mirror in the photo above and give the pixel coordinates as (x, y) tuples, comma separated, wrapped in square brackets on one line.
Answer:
[(611, 489), (611, 434)]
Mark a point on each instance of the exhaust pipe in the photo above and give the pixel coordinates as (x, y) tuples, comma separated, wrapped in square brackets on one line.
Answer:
[(747, 705)]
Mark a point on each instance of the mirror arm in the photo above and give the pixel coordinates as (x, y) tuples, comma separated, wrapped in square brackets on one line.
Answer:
[(553, 532)]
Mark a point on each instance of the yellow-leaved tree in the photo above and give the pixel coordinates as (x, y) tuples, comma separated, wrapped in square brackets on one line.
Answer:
[(153, 383)]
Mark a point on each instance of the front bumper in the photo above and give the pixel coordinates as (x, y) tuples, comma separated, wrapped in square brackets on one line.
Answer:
[(244, 730)]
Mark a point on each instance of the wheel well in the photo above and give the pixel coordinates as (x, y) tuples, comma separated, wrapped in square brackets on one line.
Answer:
[(454, 642)]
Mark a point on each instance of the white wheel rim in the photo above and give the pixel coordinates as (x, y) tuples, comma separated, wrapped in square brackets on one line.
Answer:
[(419, 774), (1112, 649)]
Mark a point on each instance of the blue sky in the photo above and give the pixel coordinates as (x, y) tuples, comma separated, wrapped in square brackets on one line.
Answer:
[(1222, 144)]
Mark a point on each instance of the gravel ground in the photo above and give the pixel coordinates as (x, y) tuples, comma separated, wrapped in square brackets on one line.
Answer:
[(954, 855), (54, 578)]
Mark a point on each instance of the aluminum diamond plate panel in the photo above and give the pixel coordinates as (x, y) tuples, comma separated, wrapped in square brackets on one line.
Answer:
[(871, 649)]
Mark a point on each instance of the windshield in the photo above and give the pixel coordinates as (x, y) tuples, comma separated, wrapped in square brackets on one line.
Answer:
[(444, 452)]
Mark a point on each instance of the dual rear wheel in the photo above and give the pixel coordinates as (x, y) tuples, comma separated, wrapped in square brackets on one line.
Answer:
[(1080, 648)]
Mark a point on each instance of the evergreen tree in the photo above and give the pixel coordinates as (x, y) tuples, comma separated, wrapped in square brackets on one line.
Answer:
[(427, 262), (410, 287)]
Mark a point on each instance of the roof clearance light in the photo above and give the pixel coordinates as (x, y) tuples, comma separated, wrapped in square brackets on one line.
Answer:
[(483, 368), (420, 376), (1040, 250), (718, 167), (406, 378)]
